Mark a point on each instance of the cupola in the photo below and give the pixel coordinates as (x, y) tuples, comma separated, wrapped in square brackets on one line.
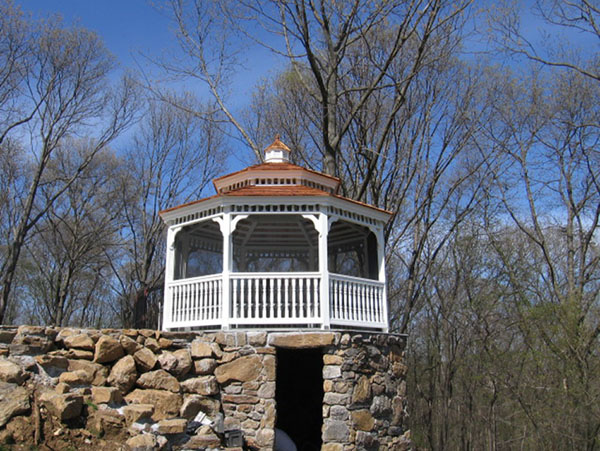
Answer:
[(277, 152)]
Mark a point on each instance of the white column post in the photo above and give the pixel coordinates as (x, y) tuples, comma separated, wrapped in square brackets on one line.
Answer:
[(169, 276), (227, 267), (324, 269), (381, 265), (227, 224)]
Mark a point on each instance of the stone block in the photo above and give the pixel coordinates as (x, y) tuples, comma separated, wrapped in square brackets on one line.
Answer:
[(331, 372), (160, 380), (334, 430), (172, 426), (200, 350), (381, 407), (203, 441), (100, 371), (123, 374), (136, 412), (129, 344), (7, 335), (108, 349), (301, 339), (167, 404), (168, 362), (257, 338), (11, 372), (79, 341), (332, 447), (62, 406), (265, 437), (77, 377), (362, 391), (363, 420), (338, 413), (203, 367), (164, 343), (267, 390), (367, 441), (329, 359), (152, 344), (14, 400), (243, 369), (142, 442), (145, 359), (106, 395), (184, 362), (52, 364), (105, 422), (335, 398), (203, 385)]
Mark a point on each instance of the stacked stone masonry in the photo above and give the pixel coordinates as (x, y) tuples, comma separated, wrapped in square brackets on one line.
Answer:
[(145, 389)]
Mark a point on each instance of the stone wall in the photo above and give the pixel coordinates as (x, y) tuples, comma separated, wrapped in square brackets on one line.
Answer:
[(145, 389)]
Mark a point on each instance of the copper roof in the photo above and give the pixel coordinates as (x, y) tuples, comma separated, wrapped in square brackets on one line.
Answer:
[(276, 191), (297, 189), (277, 144), (276, 167), (282, 190)]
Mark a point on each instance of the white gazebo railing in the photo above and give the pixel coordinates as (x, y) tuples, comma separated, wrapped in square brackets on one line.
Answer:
[(276, 299), (357, 302), (195, 302)]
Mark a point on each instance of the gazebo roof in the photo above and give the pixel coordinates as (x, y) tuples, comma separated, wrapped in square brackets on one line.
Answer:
[(275, 179)]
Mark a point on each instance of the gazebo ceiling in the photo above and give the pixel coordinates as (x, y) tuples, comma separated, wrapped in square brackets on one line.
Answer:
[(273, 231)]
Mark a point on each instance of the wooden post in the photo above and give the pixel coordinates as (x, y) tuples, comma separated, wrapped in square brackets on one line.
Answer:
[(381, 263), (169, 276), (225, 223), (323, 230)]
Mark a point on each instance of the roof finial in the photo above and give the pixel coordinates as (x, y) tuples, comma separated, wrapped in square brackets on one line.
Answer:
[(277, 152)]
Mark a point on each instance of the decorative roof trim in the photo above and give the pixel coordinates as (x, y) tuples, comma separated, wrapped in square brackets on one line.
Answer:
[(326, 199)]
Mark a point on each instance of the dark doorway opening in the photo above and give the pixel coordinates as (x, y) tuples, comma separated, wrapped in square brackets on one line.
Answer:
[(299, 396)]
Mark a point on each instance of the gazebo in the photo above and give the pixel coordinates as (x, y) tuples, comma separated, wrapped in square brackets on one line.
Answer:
[(277, 247)]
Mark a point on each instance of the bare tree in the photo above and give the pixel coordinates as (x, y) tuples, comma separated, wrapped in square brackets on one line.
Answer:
[(170, 161), (547, 188), (320, 41), (64, 92), (65, 267), (561, 23)]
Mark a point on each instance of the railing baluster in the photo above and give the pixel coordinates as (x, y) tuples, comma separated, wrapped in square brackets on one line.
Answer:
[(256, 283), (234, 310), (362, 302), (192, 308), (309, 282), (359, 301), (355, 302), (317, 299), (271, 297), (208, 297), (368, 291), (263, 298), (294, 297), (174, 312), (301, 298), (279, 296), (286, 300)]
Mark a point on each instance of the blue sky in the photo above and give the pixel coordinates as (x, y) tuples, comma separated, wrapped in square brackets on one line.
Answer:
[(131, 27), (126, 26)]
